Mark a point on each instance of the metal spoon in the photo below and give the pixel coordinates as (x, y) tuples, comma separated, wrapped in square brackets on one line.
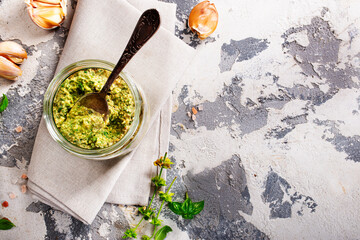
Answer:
[(145, 28)]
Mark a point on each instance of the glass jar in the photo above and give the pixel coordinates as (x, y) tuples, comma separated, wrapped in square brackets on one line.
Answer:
[(126, 144)]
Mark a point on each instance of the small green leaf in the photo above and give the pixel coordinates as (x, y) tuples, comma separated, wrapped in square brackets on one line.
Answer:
[(147, 212), (161, 234), (145, 237), (167, 163), (130, 233), (155, 221), (4, 103), (6, 224), (158, 181), (167, 197)]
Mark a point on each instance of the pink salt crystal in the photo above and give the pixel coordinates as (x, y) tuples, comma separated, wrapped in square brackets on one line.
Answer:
[(12, 195), (18, 129), (23, 188)]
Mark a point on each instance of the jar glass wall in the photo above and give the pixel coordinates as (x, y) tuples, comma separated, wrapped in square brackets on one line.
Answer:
[(127, 143)]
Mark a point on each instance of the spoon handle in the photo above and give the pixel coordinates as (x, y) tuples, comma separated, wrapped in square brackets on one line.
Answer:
[(145, 28)]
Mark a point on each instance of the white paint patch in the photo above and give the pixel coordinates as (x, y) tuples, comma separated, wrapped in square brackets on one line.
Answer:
[(105, 214), (301, 38), (4, 147), (113, 215), (342, 108), (176, 233), (22, 164), (201, 149), (62, 222), (104, 230)]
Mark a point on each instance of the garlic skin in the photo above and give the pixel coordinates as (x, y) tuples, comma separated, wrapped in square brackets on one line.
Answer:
[(203, 19), (13, 51), (8, 69), (47, 14)]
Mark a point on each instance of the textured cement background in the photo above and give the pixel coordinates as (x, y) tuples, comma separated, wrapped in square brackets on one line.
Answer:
[(275, 152)]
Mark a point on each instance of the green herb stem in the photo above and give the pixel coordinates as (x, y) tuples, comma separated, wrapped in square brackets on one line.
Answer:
[(152, 198), (161, 206), (156, 188), (162, 203), (165, 155), (139, 223), (171, 184), (161, 169), (153, 233)]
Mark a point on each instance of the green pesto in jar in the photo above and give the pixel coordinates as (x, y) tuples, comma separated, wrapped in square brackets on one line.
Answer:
[(84, 127)]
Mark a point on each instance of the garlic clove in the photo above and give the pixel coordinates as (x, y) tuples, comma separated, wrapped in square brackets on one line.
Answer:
[(8, 69), (53, 15), (43, 23), (41, 5), (203, 19), (37, 4), (47, 17), (16, 60), (47, 14), (13, 51), (63, 7), (53, 2)]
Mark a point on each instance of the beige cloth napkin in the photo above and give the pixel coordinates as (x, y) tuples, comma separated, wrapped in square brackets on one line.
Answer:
[(100, 30)]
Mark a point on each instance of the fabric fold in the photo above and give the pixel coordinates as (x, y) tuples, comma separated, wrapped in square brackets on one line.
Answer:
[(101, 31)]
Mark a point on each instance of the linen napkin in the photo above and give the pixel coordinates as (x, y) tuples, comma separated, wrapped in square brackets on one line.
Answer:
[(100, 30)]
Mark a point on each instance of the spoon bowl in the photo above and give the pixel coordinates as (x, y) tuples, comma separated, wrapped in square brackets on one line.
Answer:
[(96, 102)]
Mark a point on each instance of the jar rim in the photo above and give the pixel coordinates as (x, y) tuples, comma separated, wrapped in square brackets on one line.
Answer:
[(116, 149)]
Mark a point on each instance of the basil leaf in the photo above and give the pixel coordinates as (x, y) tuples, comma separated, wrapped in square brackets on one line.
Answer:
[(186, 204), (191, 206), (175, 207), (187, 216), (187, 209), (198, 207), (5, 224), (4, 103), (161, 234)]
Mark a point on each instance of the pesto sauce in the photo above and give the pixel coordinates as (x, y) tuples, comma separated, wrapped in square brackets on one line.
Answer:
[(84, 127)]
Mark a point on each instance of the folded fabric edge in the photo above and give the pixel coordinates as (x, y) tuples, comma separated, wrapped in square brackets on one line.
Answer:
[(50, 200)]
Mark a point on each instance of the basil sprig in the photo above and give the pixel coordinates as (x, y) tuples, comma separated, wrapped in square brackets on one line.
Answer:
[(4, 103), (188, 209), (5, 224)]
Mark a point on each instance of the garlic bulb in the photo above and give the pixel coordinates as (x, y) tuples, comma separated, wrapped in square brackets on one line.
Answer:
[(13, 51), (203, 19), (8, 69), (47, 14)]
